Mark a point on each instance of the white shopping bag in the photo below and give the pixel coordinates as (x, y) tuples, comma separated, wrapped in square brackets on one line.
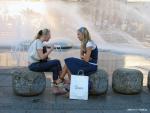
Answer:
[(79, 87)]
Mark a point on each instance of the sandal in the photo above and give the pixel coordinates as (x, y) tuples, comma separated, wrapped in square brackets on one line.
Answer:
[(67, 87), (60, 80)]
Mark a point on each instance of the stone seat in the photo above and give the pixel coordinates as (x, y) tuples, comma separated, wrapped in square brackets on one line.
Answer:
[(127, 81), (99, 82), (28, 83)]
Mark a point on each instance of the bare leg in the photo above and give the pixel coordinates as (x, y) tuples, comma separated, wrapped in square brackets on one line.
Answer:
[(69, 74), (69, 77), (64, 72)]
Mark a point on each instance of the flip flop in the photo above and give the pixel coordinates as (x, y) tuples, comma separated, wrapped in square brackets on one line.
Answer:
[(67, 87), (61, 80)]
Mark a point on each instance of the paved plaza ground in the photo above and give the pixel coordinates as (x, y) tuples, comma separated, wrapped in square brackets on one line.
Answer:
[(49, 103)]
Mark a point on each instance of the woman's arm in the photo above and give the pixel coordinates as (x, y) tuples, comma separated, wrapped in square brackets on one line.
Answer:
[(81, 52), (43, 55), (86, 57)]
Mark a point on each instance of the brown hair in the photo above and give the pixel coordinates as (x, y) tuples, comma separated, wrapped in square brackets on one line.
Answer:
[(42, 32)]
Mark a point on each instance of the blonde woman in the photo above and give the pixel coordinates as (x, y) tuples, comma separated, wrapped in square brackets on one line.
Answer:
[(88, 55), (39, 60)]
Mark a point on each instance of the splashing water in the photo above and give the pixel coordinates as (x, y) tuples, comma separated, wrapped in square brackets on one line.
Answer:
[(115, 26)]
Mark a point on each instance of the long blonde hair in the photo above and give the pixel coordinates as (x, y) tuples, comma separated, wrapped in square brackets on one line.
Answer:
[(86, 37)]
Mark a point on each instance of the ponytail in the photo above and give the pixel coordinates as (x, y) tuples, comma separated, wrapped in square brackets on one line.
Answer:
[(39, 34)]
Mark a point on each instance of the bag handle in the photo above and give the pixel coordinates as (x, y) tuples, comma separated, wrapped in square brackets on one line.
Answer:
[(82, 72)]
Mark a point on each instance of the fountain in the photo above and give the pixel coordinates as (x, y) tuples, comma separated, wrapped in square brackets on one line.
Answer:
[(115, 25), (124, 27)]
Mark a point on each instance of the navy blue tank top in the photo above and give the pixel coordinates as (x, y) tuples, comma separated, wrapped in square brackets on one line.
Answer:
[(94, 56)]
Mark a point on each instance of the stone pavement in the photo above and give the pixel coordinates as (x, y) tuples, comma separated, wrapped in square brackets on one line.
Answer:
[(49, 103)]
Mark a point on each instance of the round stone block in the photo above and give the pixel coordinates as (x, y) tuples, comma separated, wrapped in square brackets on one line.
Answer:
[(99, 82), (28, 83), (127, 81)]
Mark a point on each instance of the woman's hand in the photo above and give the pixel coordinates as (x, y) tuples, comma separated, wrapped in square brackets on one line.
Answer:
[(41, 54), (49, 50), (86, 57), (82, 57), (45, 55)]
